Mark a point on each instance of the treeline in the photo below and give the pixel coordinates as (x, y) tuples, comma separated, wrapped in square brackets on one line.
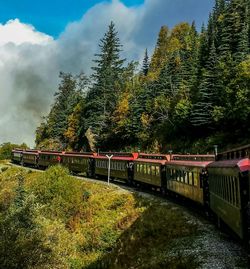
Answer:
[(6, 148), (193, 92)]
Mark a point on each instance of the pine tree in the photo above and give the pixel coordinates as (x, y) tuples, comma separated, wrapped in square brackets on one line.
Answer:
[(209, 91), (65, 100), (102, 97), (243, 46), (145, 64), (108, 69), (159, 56)]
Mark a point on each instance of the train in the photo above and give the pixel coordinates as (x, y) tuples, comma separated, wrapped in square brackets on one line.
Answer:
[(219, 183)]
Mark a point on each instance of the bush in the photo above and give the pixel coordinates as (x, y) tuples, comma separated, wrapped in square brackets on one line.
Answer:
[(61, 194)]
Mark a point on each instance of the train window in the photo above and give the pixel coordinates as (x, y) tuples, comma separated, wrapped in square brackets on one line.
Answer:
[(233, 190), (149, 169), (222, 188), (153, 170), (185, 176), (179, 175), (157, 170), (176, 175), (237, 191), (190, 180), (225, 188), (229, 189), (196, 178), (219, 186), (227, 182), (137, 167), (172, 174), (223, 191), (141, 168)]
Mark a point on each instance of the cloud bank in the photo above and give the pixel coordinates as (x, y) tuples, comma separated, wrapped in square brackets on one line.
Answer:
[(30, 61)]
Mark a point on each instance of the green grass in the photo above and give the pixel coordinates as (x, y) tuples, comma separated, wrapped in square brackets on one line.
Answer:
[(57, 221)]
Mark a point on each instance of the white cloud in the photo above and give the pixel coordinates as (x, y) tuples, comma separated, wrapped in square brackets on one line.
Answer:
[(16, 32), (30, 61)]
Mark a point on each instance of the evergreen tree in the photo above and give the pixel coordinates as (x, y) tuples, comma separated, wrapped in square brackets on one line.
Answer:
[(159, 56), (209, 91), (145, 64), (69, 94), (102, 97)]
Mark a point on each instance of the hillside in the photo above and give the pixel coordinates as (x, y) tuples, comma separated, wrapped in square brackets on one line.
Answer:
[(52, 220)]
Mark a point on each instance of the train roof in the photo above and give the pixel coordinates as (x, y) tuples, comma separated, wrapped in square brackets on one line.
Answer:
[(74, 153), (199, 164), (17, 150), (117, 158), (30, 152), (236, 153), (152, 156), (193, 157), (118, 154), (242, 164), (153, 161), (50, 152)]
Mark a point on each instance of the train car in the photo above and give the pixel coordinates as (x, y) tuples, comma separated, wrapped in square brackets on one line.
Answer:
[(229, 188), (30, 157), (48, 158), (79, 162), (121, 165), (149, 170), (17, 156), (188, 177)]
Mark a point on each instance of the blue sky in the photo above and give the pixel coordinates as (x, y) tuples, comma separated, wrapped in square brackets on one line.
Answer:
[(49, 16)]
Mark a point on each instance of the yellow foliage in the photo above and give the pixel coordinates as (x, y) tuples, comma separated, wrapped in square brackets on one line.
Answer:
[(145, 119)]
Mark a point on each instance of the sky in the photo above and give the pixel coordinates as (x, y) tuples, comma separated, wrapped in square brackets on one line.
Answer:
[(38, 39)]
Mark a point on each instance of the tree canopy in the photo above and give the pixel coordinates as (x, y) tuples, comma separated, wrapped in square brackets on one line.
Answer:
[(188, 95)]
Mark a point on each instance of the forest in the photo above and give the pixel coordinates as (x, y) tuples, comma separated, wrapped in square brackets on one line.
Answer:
[(192, 93)]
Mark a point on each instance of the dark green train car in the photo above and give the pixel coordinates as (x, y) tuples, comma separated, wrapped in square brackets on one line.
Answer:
[(121, 165), (30, 157), (79, 162), (17, 156), (149, 169), (229, 193), (188, 178), (48, 158)]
